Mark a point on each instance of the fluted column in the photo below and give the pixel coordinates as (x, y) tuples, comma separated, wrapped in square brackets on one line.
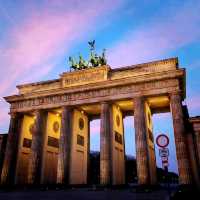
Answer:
[(88, 153), (64, 146), (10, 159), (3, 141), (35, 161), (193, 159), (180, 140), (105, 154), (197, 146), (141, 141)]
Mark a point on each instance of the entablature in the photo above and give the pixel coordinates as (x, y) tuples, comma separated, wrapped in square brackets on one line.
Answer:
[(99, 74), (101, 83), (195, 121)]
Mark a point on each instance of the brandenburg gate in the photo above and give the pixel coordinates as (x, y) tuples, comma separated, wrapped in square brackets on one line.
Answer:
[(48, 138)]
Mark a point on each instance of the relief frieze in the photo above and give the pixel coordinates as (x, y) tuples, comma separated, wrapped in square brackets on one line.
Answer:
[(105, 92), (145, 69), (86, 76)]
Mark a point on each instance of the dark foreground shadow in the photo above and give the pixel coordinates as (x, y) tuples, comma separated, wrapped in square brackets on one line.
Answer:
[(98, 192)]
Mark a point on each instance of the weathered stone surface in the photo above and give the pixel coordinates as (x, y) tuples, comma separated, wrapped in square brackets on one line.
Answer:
[(9, 164), (79, 148), (197, 145), (141, 141), (195, 122), (193, 159), (97, 95), (105, 145), (99, 74), (3, 141), (88, 86), (27, 126), (82, 77), (92, 87), (184, 168), (35, 162), (117, 145), (145, 68), (65, 145), (150, 144)]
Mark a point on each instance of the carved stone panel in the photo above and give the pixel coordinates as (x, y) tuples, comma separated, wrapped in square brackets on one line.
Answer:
[(86, 76), (128, 91)]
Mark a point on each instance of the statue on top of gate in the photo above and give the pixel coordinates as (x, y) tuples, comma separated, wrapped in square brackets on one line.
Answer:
[(94, 60)]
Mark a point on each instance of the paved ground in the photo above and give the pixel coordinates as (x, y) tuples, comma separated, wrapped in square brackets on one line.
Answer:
[(76, 194)]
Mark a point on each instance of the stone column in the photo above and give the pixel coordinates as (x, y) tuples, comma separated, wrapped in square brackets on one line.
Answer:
[(35, 161), (180, 140), (125, 177), (88, 153), (197, 146), (10, 159), (64, 145), (3, 141), (141, 141), (193, 159), (105, 143)]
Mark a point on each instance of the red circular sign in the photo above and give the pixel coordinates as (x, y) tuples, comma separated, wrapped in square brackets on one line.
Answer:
[(162, 140)]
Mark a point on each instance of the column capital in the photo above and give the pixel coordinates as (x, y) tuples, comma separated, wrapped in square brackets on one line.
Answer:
[(65, 110), (175, 93), (105, 102), (38, 111), (139, 97), (13, 115), (67, 106)]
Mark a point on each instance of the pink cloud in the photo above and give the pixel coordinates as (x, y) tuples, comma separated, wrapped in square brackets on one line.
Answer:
[(33, 45), (44, 35), (4, 117), (179, 28), (129, 122), (161, 116), (193, 104), (95, 127), (4, 113)]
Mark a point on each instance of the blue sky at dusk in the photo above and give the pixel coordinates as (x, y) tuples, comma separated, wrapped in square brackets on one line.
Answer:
[(37, 37)]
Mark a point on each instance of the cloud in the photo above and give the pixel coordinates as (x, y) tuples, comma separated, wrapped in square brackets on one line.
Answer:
[(4, 117), (43, 36), (4, 114), (178, 28), (128, 122), (193, 104), (161, 116), (95, 127), (34, 43)]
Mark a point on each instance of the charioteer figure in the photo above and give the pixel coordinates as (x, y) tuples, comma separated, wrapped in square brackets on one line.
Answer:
[(94, 61)]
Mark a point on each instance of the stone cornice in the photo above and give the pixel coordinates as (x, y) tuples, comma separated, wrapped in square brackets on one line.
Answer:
[(172, 61), (173, 74), (194, 119), (153, 88), (98, 74), (100, 84), (38, 83)]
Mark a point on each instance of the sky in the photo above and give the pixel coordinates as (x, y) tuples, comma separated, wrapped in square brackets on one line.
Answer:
[(38, 36)]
